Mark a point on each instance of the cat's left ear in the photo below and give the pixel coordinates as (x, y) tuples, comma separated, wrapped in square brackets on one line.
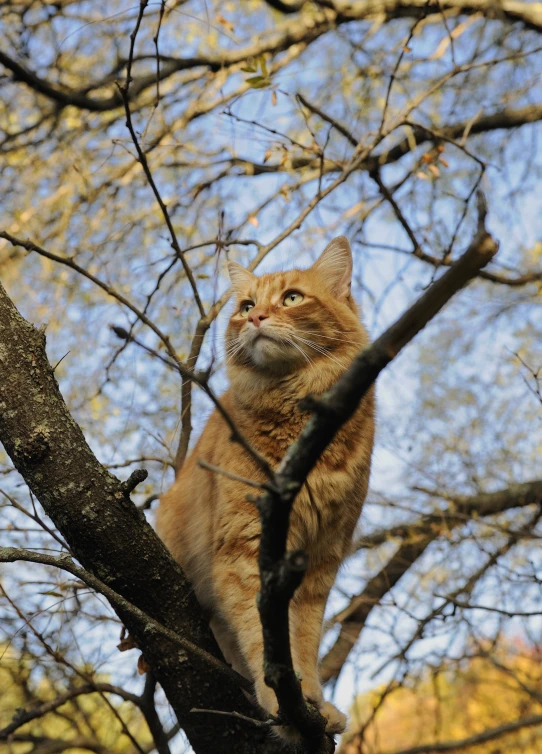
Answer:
[(335, 266)]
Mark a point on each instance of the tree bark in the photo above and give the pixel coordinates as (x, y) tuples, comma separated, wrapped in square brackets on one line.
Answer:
[(111, 538)]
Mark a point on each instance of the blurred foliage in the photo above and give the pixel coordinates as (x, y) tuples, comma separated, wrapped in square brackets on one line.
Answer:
[(453, 703), (85, 719)]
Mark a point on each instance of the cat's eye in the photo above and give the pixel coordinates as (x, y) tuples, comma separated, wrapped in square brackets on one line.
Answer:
[(246, 306), (293, 298)]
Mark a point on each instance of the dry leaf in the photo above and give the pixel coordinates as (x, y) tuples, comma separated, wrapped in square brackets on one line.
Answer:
[(444, 161), (253, 221), (423, 176), (427, 157), (273, 98), (142, 665), (434, 170), (225, 23), (267, 155), (126, 644)]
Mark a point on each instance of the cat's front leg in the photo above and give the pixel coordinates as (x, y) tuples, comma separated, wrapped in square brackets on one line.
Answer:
[(237, 582), (306, 618)]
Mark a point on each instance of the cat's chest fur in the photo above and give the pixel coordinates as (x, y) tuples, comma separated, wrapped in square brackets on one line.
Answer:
[(272, 430), (269, 411), (331, 499)]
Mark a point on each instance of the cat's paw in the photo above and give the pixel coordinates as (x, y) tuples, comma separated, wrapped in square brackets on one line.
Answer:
[(336, 720), (267, 698)]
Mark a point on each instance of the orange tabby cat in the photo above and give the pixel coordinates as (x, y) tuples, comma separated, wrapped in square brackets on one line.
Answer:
[(292, 333)]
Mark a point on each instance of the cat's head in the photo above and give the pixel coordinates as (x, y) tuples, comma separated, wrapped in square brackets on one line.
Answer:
[(286, 320)]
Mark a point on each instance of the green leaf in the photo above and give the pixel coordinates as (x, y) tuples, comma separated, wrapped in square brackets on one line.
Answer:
[(263, 65)]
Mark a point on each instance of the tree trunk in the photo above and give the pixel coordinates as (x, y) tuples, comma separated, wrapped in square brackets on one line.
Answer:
[(112, 540)]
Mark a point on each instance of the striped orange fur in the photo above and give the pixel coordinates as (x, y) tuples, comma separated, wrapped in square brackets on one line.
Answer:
[(291, 333)]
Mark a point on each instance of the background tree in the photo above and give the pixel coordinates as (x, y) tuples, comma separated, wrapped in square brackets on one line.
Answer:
[(141, 144)]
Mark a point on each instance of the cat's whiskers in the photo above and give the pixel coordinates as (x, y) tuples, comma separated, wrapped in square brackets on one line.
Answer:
[(235, 346), (320, 349), (336, 330), (289, 334), (233, 349), (286, 337), (329, 337), (310, 361)]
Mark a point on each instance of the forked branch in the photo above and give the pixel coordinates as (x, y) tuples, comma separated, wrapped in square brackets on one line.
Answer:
[(281, 572)]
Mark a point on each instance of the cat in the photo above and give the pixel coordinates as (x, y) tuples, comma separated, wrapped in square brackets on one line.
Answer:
[(291, 333)]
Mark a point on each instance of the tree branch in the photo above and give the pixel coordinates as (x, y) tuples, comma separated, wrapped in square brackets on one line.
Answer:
[(110, 536), (460, 509), (22, 717), (304, 29), (282, 572), (146, 623), (416, 539), (476, 740)]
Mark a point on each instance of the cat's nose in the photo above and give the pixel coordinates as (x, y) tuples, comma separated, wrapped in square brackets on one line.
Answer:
[(256, 316)]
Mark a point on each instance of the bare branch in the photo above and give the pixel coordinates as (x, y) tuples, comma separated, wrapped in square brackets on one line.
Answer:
[(282, 572), (14, 554), (22, 717), (491, 734)]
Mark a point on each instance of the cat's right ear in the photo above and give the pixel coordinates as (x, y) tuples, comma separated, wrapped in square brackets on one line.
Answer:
[(241, 279), (335, 266)]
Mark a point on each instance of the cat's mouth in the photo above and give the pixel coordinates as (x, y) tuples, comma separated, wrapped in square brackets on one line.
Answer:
[(261, 333)]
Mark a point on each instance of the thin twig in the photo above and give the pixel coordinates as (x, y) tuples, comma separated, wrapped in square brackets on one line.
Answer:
[(233, 477), (13, 554)]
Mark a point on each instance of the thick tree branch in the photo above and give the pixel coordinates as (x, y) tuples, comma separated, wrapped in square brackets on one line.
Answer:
[(146, 623), (286, 8), (355, 615), (461, 508), (109, 535)]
